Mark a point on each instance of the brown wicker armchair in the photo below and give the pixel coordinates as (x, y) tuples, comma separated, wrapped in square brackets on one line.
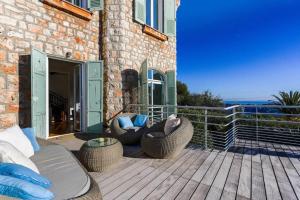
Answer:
[(158, 145), (129, 136)]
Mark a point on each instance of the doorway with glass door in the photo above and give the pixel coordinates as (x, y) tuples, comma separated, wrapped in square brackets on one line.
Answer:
[(64, 97)]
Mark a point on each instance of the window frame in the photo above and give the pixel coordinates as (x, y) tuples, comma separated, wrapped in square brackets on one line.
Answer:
[(160, 15), (70, 8)]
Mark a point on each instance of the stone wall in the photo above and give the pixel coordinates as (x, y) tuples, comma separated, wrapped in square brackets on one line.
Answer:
[(30, 23), (125, 47)]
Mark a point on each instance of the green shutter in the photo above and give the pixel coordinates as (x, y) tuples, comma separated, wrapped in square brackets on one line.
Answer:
[(170, 17), (143, 94), (171, 91), (94, 97), (96, 4), (38, 93), (140, 11)]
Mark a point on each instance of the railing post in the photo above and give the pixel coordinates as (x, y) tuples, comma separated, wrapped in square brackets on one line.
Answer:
[(233, 124), (256, 121), (205, 128)]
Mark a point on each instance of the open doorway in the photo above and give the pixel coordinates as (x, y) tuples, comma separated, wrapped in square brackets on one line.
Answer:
[(64, 97)]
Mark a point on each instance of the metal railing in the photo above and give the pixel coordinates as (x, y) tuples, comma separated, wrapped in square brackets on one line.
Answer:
[(219, 127)]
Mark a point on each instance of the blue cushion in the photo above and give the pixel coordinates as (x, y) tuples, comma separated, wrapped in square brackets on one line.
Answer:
[(125, 122), (17, 188), (140, 120), (24, 173), (29, 132)]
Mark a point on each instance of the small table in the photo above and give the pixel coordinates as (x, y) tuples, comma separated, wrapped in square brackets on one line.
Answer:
[(100, 154)]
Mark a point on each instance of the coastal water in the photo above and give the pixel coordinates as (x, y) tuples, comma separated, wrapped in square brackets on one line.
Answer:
[(253, 109), (243, 102)]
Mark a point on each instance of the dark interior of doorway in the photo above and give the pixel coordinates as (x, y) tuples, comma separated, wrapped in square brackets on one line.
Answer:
[(64, 97)]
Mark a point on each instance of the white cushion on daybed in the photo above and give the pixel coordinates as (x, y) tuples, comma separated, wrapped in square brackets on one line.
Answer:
[(10, 154), (171, 124), (68, 179), (15, 136)]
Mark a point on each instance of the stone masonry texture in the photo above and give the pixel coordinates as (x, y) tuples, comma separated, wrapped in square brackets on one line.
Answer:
[(30, 23), (26, 24), (125, 47)]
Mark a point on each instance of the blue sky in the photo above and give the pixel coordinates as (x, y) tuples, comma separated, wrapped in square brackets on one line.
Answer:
[(239, 49)]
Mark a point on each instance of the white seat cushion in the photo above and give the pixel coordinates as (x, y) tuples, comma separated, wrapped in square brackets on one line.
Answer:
[(171, 124), (10, 154), (68, 179), (15, 136)]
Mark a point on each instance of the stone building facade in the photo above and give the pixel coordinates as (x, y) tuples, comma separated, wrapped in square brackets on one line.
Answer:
[(26, 24), (125, 47), (111, 35)]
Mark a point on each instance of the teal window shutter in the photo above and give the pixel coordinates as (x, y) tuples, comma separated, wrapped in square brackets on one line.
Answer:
[(140, 11), (171, 91), (94, 84), (143, 92), (96, 4), (38, 93), (170, 17)]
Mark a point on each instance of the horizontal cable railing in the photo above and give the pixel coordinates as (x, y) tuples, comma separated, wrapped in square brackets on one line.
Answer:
[(219, 127)]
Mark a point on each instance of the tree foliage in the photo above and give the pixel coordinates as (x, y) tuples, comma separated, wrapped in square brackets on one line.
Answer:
[(206, 98), (291, 98)]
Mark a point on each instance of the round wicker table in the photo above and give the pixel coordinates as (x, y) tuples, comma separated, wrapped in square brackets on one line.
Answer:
[(100, 154)]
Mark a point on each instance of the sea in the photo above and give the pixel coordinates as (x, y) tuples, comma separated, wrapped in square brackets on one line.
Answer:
[(253, 109), (252, 102)]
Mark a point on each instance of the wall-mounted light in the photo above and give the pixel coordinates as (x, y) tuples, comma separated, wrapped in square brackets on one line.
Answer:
[(68, 55)]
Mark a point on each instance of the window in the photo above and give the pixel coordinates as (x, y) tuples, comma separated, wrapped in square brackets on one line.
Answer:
[(154, 14), (156, 85), (79, 3)]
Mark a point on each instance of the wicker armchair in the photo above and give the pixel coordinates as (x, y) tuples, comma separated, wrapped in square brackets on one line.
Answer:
[(158, 145), (127, 136)]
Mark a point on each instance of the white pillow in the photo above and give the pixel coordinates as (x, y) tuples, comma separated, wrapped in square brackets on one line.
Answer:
[(10, 154), (15, 136), (171, 124)]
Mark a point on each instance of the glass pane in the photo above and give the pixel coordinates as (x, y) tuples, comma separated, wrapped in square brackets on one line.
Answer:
[(100, 142), (157, 94), (148, 12), (157, 76), (150, 93), (150, 74), (155, 14)]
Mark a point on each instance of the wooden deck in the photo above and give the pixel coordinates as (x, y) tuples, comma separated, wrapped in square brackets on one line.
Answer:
[(247, 171)]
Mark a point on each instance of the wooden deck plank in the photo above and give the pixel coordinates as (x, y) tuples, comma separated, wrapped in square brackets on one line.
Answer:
[(204, 167), (121, 173), (231, 184), (272, 190), (206, 182), (258, 184), (125, 186), (106, 188), (285, 188), (244, 187), (216, 189), (293, 156), (164, 186), (175, 189), (161, 178), (195, 166), (188, 190), (292, 174), (146, 180)]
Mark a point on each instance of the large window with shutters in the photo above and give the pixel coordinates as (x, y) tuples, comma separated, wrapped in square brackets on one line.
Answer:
[(158, 14), (154, 14)]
